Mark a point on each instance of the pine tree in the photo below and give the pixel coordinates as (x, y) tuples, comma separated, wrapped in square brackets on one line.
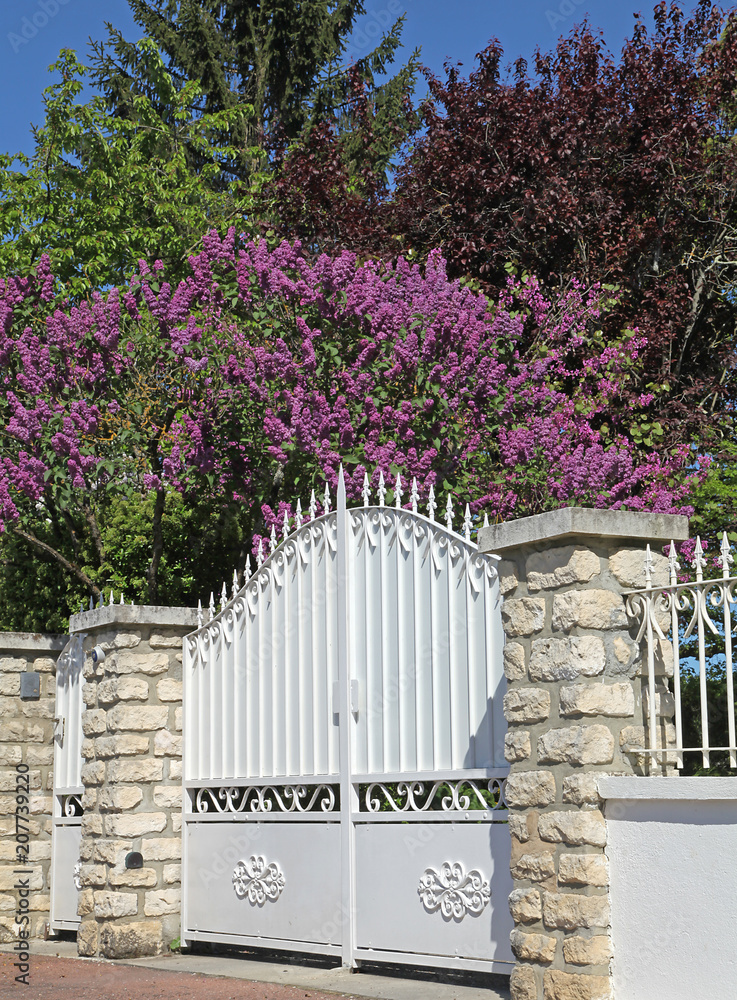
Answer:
[(282, 58)]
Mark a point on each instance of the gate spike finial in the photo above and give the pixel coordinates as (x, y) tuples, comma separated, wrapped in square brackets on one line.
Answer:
[(366, 490), (431, 505), (285, 526), (260, 555), (200, 621), (92, 602), (298, 515), (112, 599), (326, 500), (235, 582), (122, 599), (211, 609), (382, 489), (486, 520), (223, 596), (398, 492), (81, 607), (101, 603), (467, 524), (648, 568), (272, 539), (414, 495), (313, 507), (698, 561), (247, 572), (727, 558), (673, 564), (449, 513)]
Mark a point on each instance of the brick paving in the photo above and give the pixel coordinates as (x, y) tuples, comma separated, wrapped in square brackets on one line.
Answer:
[(54, 978)]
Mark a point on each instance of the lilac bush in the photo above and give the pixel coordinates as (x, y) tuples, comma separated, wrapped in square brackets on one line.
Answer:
[(251, 381)]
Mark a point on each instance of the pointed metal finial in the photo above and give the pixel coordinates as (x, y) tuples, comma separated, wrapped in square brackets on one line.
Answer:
[(449, 513), (313, 507), (648, 568), (272, 539), (200, 619), (298, 515), (122, 599), (112, 599), (673, 564), (366, 490), (414, 495), (398, 492), (223, 596), (248, 573), (382, 489), (326, 500), (101, 603), (81, 607), (260, 554), (92, 602), (211, 609), (486, 520), (726, 554), (235, 583), (431, 505), (285, 526), (698, 562), (467, 524)]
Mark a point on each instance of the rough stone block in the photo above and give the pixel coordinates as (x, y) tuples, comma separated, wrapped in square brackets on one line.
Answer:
[(514, 662), (91, 825), (507, 573), (92, 876), (568, 911), (518, 827), (109, 905), (166, 744), (580, 789), (158, 641), (87, 938), (527, 705), (523, 983), (612, 700), (583, 869), (576, 745), (530, 788), (116, 799), (172, 874), (523, 616), (135, 770), (175, 770), (162, 849), (134, 825), (178, 717), (533, 947), (85, 902), (168, 796), (112, 852), (139, 718), (126, 662), (525, 905), (133, 878), (534, 867), (12, 664), (93, 773), (558, 567), (162, 901), (517, 745), (574, 828), (93, 721), (628, 568), (132, 940), (570, 986), (169, 690), (10, 685), (124, 745), (87, 750), (594, 609), (595, 950), (565, 659)]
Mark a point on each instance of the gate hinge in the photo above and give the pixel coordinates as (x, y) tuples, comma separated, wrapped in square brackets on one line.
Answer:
[(60, 719)]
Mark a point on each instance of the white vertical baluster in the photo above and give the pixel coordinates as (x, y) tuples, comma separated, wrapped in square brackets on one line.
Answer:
[(398, 493), (449, 513), (649, 611), (431, 505), (382, 489), (200, 619), (285, 526), (467, 524), (366, 490), (698, 564), (674, 566), (414, 496), (260, 554), (727, 561)]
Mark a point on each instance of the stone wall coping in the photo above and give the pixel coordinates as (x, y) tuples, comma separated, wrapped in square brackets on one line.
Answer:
[(131, 614), (31, 641), (586, 522), (675, 787)]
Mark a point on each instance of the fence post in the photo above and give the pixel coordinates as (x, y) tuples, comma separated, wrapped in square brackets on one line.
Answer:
[(574, 705), (132, 778)]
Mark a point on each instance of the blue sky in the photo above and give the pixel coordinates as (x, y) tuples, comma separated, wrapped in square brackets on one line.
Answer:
[(33, 31)]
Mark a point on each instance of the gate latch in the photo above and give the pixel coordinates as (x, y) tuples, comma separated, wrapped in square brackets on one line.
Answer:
[(353, 697), (59, 735)]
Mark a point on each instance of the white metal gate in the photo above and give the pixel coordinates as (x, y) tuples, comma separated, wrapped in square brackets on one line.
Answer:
[(343, 749), (67, 802)]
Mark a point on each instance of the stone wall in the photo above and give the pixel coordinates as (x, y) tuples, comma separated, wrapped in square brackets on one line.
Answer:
[(575, 710), (132, 725), (26, 738)]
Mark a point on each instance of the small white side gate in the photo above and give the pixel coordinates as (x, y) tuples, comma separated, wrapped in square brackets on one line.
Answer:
[(343, 749), (66, 828)]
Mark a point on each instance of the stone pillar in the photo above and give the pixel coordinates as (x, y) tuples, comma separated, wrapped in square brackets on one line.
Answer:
[(575, 708), (26, 740), (132, 777)]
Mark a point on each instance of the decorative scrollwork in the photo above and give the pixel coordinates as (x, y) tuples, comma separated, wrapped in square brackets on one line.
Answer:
[(454, 892), (76, 876), (258, 881), (463, 795), (267, 799), (71, 805)]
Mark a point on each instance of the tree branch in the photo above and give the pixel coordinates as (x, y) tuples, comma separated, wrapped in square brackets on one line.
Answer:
[(58, 557)]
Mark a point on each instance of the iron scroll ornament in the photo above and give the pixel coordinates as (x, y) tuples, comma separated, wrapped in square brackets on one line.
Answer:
[(258, 881), (454, 892)]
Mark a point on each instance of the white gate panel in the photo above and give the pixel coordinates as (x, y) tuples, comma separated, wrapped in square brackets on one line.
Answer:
[(66, 821), (398, 915)]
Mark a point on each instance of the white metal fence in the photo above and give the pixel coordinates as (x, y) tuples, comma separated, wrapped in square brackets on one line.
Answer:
[(688, 629), (343, 747)]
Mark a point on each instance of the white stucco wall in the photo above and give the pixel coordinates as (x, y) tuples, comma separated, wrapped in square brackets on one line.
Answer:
[(672, 848)]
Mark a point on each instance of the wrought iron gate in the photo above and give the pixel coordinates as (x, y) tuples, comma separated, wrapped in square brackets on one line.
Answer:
[(67, 802), (343, 748)]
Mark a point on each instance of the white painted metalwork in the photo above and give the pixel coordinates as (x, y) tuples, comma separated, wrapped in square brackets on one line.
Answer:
[(343, 714), (669, 616), (66, 826), (258, 881)]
